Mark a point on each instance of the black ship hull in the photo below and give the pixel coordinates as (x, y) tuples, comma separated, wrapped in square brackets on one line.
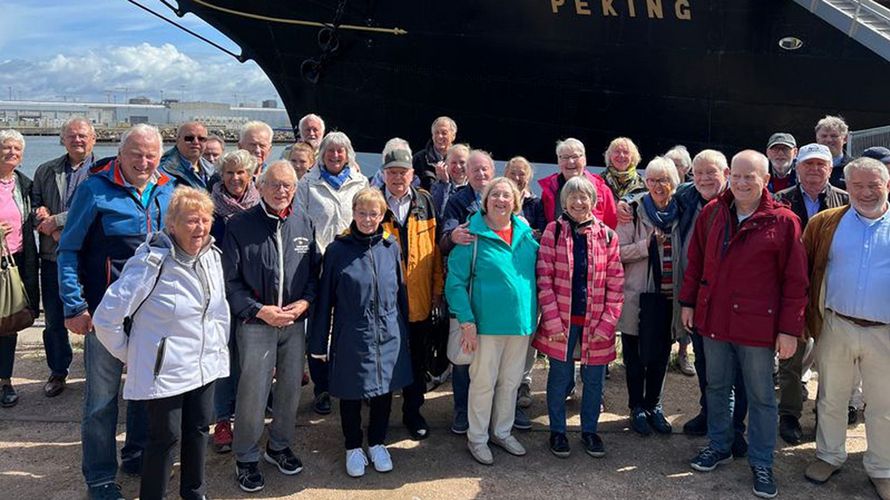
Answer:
[(518, 75)]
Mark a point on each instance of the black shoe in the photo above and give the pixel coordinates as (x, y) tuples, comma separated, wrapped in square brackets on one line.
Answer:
[(287, 463), (322, 404), (593, 445), (521, 421), (417, 428), (110, 491), (54, 386), (8, 396), (132, 466), (658, 422), (790, 430), (639, 422), (249, 477), (559, 445), (698, 426), (852, 415), (739, 446), (764, 482)]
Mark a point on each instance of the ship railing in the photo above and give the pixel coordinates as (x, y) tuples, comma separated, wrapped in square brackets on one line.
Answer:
[(860, 140), (866, 21)]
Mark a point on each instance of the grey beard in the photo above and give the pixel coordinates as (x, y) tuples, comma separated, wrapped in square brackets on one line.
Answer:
[(782, 171)]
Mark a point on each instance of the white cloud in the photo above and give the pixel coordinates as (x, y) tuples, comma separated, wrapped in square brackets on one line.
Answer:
[(142, 69)]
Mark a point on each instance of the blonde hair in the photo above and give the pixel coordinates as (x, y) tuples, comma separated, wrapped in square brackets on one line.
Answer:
[(369, 195), (497, 181), (521, 162), (187, 199), (634, 151)]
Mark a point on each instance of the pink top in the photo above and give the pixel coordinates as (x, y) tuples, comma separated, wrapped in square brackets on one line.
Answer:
[(9, 213)]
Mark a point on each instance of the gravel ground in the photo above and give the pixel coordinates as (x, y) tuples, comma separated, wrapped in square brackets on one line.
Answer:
[(40, 452)]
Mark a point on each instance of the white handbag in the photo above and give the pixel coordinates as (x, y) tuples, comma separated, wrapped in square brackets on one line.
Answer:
[(455, 352)]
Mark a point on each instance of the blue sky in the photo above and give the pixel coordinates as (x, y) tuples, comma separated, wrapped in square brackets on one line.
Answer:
[(80, 49)]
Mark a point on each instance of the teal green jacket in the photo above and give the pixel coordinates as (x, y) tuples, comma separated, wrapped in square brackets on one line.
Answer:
[(504, 292)]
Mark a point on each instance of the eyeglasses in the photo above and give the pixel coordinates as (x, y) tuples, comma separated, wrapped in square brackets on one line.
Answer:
[(572, 157), (275, 186), (663, 181), (361, 214), (192, 138)]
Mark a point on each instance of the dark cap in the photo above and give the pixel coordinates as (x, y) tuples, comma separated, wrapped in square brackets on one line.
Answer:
[(397, 158), (879, 153), (781, 138)]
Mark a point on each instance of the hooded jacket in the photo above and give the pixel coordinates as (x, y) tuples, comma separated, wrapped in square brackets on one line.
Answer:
[(363, 294), (180, 319), (107, 220)]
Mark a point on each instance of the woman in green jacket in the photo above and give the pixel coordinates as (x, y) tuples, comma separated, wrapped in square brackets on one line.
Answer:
[(498, 316)]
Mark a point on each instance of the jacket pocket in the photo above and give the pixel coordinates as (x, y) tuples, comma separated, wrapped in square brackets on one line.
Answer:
[(159, 357), (752, 318)]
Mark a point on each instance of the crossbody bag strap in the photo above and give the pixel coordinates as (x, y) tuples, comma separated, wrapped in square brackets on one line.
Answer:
[(473, 267)]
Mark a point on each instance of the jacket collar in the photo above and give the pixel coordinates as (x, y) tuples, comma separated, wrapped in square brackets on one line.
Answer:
[(480, 228)]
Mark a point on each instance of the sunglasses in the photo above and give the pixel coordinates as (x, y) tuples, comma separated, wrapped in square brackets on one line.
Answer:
[(191, 138)]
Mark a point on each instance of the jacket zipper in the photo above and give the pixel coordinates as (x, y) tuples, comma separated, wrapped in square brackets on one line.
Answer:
[(159, 358), (376, 311), (280, 264), (198, 269)]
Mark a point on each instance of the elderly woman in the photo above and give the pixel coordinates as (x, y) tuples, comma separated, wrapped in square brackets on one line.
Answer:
[(17, 231), (622, 158), (363, 293), (167, 318), (521, 172), (235, 194), (580, 288), (572, 162), (497, 269), (650, 251)]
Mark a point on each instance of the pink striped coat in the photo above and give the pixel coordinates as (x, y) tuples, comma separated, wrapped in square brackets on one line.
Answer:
[(605, 285)]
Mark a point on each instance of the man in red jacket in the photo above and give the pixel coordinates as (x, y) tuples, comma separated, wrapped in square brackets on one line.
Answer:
[(744, 291)]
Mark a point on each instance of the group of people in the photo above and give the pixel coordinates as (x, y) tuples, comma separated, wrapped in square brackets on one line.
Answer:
[(216, 276)]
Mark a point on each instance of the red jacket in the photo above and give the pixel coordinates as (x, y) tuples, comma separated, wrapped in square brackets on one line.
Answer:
[(604, 210), (747, 282)]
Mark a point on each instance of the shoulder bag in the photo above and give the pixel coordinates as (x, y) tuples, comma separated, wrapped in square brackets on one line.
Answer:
[(455, 352)]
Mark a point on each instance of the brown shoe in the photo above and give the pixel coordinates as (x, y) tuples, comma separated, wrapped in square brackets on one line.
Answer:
[(820, 471), (54, 386), (882, 486)]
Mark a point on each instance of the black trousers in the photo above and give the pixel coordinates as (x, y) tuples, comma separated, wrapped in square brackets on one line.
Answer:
[(437, 347), (645, 382), (419, 333), (378, 421), (184, 418)]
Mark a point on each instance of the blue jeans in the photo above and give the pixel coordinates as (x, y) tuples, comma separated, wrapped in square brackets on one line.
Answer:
[(460, 384), (55, 335), (99, 424), (560, 380), (226, 388), (739, 399), (756, 366)]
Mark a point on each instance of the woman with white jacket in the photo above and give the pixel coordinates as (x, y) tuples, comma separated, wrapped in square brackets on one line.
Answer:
[(167, 318)]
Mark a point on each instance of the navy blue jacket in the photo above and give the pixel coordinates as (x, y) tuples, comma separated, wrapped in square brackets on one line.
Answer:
[(250, 259), (363, 292), (107, 221), (180, 169), (461, 205)]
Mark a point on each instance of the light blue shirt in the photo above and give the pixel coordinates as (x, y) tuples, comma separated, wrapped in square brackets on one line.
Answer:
[(811, 205), (857, 280)]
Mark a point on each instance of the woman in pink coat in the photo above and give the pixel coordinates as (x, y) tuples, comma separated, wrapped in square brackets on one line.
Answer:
[(580, 290)]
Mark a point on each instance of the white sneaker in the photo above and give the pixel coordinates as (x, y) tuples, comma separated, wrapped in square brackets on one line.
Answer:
[(356, 460), (380, 458)]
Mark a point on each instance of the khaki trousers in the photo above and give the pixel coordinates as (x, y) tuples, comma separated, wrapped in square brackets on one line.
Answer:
[(495, 375), (841, 347)]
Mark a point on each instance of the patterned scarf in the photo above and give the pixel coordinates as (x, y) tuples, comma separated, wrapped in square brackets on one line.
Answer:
[(335, 181), (225, 205), (623, 183)]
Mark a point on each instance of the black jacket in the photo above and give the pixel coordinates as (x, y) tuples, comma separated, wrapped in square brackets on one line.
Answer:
[(837, 173), (251, 261), (830, 198), (28, 262), (424, 162)]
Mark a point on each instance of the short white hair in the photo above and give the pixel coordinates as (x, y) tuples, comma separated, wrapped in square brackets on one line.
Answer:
[(310, 117), (241, 158), (665, 166), (570, 144), (395, 143), (679, 153), (577, 184), (144, 130), (277, 165), (866, 164), (13, 135), (337, 139), (254, 125), (711, 156), (74, 120)]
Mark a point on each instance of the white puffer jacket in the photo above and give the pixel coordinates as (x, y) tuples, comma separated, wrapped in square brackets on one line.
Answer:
[(179, 335)]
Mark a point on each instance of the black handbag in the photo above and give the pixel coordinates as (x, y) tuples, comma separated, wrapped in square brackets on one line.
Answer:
[(656, 314)]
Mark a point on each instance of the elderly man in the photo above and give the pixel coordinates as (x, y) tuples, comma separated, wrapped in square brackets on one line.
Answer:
[(849, 256), (813, 195), (256, 138), (214, 148), (429, 162), (54, 184), (311, 130), (781, 149), (184, 162), (832, 131), (123, 199), (572, 161), (744, 291), (270, 302), (411, 218)]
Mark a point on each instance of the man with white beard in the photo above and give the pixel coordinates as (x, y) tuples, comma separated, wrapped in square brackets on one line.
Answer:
[(781, 149)]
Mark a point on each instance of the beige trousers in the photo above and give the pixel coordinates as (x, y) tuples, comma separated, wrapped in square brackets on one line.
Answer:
[(495, 375), (841, 347)]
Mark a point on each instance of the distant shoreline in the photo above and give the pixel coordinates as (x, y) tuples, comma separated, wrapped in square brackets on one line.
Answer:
[(106, 135)]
